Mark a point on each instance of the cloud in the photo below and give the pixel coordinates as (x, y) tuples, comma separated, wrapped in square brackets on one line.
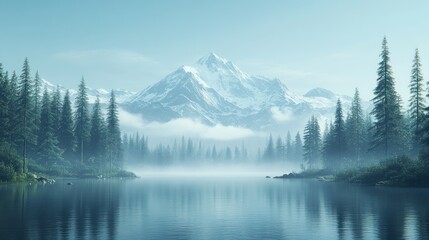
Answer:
[(130, 122), (182, 126), (104, 56), (281, 115)]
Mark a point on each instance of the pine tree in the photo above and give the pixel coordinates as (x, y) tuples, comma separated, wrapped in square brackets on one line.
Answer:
[(36, 98), (113, 133), (269, 153), (355, 129), (182, 154), (97, 143), (244, 155), (48, 151), (237, 154), (214, 153), (145, 146), (56, 111), (189, 150), (388, 126), (4, 106), (328, 148), (208, 154), (288, 148), (25, 111), (417, 102), (82, 121), (13, 136), (200, 150), (312, 142), (138, 142), (297, 153), (339, 137), (66, 137), (280, 149), (228, 154)]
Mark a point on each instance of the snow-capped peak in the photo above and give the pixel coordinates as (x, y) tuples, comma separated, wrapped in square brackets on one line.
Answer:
[(215, 64), (195, 75), (320, 92), (215, 90), (188, 69), (212, 59)]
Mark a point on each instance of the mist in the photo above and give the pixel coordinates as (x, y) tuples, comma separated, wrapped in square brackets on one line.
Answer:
[(215, 170)]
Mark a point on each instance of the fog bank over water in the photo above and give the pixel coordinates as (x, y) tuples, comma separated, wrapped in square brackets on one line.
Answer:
[(216, 170)]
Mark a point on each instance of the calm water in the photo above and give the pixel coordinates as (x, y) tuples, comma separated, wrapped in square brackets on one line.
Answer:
[(211, 208)]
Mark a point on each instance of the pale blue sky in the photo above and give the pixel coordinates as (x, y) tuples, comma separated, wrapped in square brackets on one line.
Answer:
[(131, 44)]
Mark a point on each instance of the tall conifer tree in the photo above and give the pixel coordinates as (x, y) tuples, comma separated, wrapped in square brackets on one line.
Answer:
[(36, 98), (82, 121), (388, 126), (417, 101), (25, 112), (312, 142), (48, 151), (66, 137), (355, 129), (297, 151), (56, 111), (4, 106), (13, 137), (113, 133), (97, 141), (269, 152), (339, 136), (288, 147)]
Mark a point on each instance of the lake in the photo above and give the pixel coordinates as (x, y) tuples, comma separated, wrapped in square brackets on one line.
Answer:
[(182, 207)]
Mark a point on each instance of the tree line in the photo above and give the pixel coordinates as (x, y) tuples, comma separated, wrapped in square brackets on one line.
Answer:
[(288, 149), (387, 132), (45, 130), (190, 151), (185, 151)]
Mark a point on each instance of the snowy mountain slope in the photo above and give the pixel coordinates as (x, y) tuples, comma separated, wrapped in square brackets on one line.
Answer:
[(104, 95), (241, 89), (184, 93), (214, 90), (321, 98)]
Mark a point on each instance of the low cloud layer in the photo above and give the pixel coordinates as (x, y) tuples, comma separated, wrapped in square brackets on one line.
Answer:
[(281, 115), (182, 126)]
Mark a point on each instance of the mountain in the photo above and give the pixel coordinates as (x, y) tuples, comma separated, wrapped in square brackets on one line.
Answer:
[(241, 89), (214, 90), (104, 95), (181, 94)]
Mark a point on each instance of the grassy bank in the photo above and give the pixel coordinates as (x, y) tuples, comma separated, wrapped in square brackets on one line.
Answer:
[(65, 169), (11, 169), (400, 171), (310, 173)]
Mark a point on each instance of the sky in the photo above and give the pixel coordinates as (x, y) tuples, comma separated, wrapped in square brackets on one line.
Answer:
[(133, 44)]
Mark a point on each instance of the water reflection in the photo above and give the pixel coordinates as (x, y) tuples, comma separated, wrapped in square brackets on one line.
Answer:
[(85, 210), (211, 208)]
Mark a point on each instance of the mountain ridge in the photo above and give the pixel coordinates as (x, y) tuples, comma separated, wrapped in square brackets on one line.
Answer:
[(215, 91)]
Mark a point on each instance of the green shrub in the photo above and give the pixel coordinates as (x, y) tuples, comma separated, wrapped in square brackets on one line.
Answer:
[(10, 163), (123, 173), (400, 171), (7, 173), (10, 158)]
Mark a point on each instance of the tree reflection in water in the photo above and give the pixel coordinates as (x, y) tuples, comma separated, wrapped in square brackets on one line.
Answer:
[(211, 208)]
